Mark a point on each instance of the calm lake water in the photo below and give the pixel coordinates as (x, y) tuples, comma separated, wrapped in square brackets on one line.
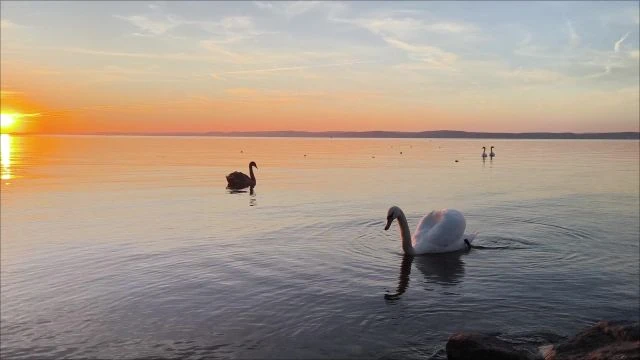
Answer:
[(132, 247)]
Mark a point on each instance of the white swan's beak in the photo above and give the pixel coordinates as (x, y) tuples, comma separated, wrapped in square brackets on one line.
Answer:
[(388, 224)]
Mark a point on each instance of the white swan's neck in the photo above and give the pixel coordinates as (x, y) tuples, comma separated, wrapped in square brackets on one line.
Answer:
[(405, 233)]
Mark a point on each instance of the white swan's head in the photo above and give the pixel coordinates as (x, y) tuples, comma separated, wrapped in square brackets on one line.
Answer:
[(392, 214)]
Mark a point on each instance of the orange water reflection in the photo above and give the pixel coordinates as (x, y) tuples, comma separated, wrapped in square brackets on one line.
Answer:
[(319, 166), (5, 156)]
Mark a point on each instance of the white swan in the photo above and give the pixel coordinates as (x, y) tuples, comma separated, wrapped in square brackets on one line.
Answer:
[(439, 232), (484, 152), (492, 154)]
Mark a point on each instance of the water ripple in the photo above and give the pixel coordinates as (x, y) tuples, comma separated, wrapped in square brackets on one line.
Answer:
[(141, 255)]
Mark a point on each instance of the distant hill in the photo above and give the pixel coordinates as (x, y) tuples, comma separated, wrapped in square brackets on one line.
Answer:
[(446, 134), (451, 134)]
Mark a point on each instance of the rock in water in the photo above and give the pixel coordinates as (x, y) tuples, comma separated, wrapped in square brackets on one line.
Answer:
[(473, 346), (604, 340), (613, 340)]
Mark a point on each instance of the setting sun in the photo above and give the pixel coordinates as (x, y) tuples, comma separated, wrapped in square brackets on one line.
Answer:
[(6, 120)]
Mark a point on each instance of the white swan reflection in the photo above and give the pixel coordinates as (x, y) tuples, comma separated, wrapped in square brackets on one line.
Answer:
[(444, 269)]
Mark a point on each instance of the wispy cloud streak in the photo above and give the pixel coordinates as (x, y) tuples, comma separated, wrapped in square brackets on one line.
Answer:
[(287, 68), (155, 27), (618, 44), (574, 38), (424, 53), (7, 24)]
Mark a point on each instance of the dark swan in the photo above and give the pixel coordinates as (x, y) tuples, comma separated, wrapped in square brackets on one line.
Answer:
[(238, 180)]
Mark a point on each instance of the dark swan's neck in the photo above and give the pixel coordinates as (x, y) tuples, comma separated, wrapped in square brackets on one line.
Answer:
[(405, 233), (253, 177)]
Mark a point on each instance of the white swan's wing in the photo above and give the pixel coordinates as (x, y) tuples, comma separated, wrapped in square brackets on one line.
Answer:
[(450, 229), (425, 225), (440, 231)]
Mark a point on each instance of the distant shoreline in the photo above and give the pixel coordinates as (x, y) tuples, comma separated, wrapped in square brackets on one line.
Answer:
[(439, 134)]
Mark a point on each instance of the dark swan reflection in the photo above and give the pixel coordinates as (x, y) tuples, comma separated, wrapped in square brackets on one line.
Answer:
[(241, 191), (445, 269), (252, 197), (252, 194)]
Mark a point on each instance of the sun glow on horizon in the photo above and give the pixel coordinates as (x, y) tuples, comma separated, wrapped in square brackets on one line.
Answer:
[(6, 120)]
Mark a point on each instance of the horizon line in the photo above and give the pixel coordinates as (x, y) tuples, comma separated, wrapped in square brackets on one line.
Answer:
[(630, 135)]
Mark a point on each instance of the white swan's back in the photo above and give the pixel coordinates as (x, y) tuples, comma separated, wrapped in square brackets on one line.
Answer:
[(441, 231)]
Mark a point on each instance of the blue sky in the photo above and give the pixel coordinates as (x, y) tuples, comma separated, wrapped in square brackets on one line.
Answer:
[(506, 66)]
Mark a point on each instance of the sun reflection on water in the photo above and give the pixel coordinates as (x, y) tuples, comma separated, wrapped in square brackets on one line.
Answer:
[(5, 156)]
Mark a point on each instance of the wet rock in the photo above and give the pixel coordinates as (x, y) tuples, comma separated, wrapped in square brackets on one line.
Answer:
[(614, 340), (468, 346), (604, 340)]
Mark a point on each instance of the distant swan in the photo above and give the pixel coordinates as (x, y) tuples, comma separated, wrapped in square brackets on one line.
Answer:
[(238, 180), (439, 232), (492, 154), (484, 152)]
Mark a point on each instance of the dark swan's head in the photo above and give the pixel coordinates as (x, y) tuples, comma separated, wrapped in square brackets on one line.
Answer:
[(252, 164), (393, 213), (484, 148)]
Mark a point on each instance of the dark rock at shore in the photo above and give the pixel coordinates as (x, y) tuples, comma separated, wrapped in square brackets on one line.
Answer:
[(604, 340), (486, 347), (615, 340)]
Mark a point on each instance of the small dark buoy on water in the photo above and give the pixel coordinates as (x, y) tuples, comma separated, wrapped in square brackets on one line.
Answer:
[(241, 151), (305, 155), (400, 152), (456, 160)]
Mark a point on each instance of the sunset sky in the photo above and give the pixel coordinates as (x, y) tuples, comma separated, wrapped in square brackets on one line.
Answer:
[(74, 67)]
